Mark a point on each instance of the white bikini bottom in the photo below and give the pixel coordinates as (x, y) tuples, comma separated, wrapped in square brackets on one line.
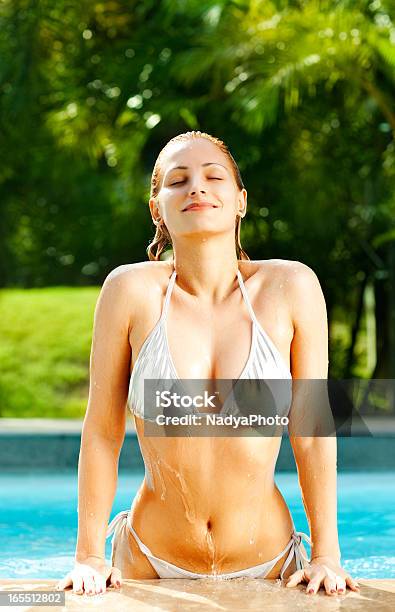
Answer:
[(164, 569)]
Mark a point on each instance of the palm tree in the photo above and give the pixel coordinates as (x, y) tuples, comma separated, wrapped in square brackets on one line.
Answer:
[(274, 56)]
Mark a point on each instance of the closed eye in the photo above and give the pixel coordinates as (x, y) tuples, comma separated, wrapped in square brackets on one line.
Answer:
[(210, 178)]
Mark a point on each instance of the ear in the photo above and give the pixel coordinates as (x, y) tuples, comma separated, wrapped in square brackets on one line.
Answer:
[(155, 212), (242, 203)]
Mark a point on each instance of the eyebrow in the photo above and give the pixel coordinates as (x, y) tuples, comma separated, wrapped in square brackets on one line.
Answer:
[(206, 164)]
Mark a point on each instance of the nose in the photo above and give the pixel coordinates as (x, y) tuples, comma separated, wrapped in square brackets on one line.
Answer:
[(195, 186), (194, 191)]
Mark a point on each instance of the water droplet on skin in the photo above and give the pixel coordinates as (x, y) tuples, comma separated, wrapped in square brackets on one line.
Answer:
[(251, 541)]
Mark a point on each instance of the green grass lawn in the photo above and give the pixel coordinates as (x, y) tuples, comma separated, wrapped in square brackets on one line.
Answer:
[(45, 339)]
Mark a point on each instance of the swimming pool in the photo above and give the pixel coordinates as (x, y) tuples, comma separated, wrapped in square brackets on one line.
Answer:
[(38, 521)]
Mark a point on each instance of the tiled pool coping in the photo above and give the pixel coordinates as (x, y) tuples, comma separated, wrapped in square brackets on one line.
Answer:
[(22, 442), (191, 595)]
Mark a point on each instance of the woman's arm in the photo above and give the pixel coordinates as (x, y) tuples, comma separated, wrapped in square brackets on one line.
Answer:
[(105, 420), (315, 456)]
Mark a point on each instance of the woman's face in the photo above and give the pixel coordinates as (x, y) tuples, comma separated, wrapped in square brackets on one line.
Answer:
[(198, 172)]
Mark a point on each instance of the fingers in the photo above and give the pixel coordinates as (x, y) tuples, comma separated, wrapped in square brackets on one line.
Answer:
[(314, 575), (115, 578), (100, 583), (354, 586), (89, 584), (64, 583), (89, 579), (340, 585), (330, 585), (78, 585), (94, 583), (295, 578), (315, 582), (313, 586)]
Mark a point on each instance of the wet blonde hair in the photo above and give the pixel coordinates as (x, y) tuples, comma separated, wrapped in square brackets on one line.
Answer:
[(162, 237)]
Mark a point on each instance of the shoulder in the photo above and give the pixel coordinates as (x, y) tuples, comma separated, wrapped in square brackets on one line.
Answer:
[(297, 275), (132, 284), (299, 285), (136, 275), (301, 280), (305, 297)]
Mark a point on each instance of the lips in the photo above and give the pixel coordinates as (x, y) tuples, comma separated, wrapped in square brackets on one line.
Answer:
[(196, 205)]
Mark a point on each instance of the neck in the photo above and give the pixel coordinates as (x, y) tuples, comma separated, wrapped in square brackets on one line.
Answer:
[(207, 268)]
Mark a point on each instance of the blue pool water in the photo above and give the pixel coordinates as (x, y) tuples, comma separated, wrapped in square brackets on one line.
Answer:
[(38, 521)]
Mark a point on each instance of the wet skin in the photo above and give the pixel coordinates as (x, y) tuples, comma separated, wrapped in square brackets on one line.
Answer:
[(216, 496)]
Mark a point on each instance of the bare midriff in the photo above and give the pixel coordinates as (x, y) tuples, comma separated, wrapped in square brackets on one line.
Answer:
[(210, 505)]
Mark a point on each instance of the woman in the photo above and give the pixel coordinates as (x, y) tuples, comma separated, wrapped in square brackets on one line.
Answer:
[(208, 506)]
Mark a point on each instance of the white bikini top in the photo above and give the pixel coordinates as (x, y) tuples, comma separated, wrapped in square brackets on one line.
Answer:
[(154, 360)]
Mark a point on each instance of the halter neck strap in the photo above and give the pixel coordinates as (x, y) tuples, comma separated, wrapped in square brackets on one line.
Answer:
[(245, 296), (168, 294)]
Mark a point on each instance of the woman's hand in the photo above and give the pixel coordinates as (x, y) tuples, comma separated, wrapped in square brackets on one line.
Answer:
[(90, 576), (326, 571)]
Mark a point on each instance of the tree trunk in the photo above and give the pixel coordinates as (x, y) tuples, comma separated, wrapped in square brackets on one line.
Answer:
[(355, 327)]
